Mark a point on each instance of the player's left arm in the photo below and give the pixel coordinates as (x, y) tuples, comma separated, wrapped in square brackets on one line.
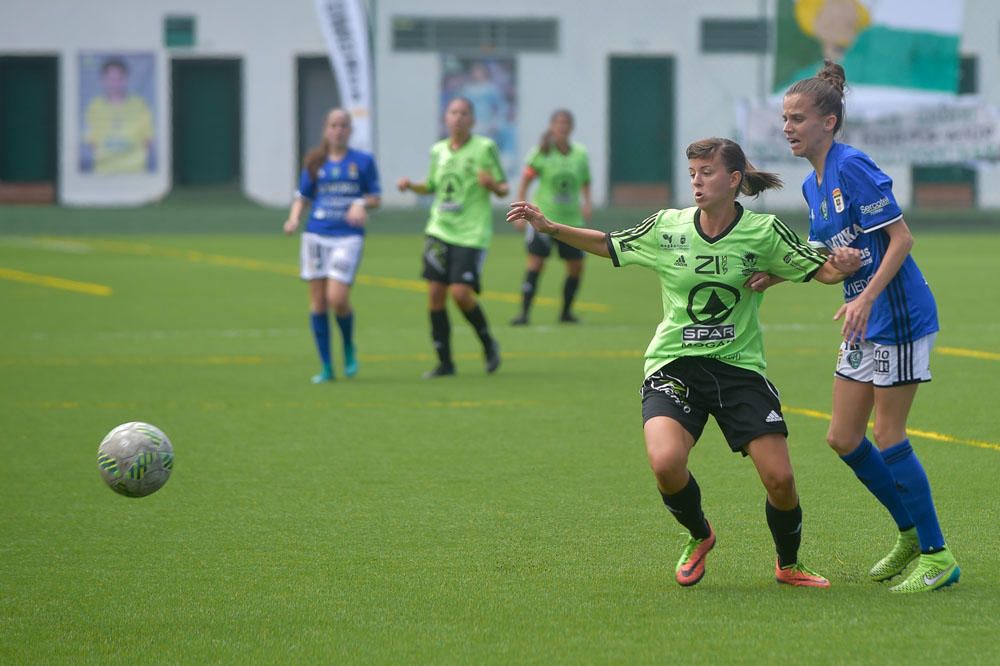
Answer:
[(586, 208), (491, 176), (874, 208), (371, 198), (856, 312)]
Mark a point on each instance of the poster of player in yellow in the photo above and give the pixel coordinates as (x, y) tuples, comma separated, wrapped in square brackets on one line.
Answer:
[(117, 122)]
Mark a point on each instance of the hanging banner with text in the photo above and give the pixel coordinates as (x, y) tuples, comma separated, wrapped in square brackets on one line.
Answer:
[(965, 130), (344, 24)]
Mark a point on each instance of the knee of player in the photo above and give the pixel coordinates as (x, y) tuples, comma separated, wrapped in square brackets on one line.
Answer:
[(842, 443), (886, 436), (780, 483)]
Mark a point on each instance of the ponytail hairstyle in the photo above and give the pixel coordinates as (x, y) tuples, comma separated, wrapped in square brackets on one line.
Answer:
[(316, 156), (545, 144), (826, 90), (752, 181)]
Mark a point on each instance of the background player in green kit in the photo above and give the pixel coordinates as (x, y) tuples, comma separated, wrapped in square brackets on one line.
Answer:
[(563, 173), (464, 170), (707, 356)]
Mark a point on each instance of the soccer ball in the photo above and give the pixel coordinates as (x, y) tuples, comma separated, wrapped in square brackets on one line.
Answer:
[(135, 459)]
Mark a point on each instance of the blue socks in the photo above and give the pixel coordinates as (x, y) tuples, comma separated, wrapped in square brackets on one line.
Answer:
[(872, 470), (321, 333), (915, 491), (346, 324)]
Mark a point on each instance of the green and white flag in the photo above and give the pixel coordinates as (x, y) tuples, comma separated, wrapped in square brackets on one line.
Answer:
[(895, 44), (901, 58)]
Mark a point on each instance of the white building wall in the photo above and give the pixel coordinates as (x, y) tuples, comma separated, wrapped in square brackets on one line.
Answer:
[(268, 36)]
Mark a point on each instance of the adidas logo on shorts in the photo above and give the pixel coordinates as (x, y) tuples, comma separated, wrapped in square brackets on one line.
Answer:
[(773, 417)]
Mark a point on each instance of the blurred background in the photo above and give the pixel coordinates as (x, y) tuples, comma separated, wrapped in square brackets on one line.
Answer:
[(227, 96)]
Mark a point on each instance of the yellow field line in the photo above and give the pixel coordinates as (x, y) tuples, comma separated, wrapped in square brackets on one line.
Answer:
[(55, 282), (196, 256), (968, 353), (913, 432)]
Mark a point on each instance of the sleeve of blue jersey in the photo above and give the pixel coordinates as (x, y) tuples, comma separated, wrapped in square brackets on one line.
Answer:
[(869, 192), (370, 184), (307, 186)]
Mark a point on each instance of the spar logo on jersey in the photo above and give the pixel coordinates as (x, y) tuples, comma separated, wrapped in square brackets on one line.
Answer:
[(709, 305), (838, 200)]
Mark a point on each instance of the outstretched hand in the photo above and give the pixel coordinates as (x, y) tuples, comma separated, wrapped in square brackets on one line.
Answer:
[(525, 211)]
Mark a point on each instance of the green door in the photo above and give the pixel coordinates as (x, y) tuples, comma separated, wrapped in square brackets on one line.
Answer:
[(29, 130), (641, 129), (206, 122)]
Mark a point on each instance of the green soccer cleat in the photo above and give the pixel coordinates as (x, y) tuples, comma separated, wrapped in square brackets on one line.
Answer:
[(934, 572), (350, 361), (906, 550), (691, 565)]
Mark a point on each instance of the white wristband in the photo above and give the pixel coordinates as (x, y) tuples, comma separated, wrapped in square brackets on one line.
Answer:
[(360, 200)]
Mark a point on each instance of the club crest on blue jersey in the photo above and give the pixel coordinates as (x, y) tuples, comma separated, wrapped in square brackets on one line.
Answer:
[(838, 200)]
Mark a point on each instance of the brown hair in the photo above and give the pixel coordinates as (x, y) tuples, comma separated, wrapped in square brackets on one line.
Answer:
[(826, 90), (316, 156), (752, 181), (545, 144)]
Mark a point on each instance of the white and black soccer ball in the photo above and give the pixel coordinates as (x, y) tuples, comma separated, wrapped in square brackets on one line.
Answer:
[(135, 459)]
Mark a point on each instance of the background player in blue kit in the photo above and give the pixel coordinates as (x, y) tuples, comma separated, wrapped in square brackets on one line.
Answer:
[(341, 184), (890, 322)]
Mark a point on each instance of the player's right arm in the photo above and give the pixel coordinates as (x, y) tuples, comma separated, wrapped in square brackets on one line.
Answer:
[(404, 184), (582, 238), (294, 215), (528, 176)]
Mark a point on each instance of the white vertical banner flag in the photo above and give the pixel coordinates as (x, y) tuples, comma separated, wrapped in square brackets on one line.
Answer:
[(345, 28)]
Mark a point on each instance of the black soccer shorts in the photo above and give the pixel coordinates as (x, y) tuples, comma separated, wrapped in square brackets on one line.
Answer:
[(453, 264), (744, 403)]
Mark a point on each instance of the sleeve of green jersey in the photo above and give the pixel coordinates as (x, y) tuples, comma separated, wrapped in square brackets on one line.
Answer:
[(534, 160), (635, 246), (431, 180), (493, 164), (584, 166), (790, 258)]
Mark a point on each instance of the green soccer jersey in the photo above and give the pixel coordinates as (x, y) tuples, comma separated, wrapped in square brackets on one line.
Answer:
[(461, 212), (560, 178), (707, 310)]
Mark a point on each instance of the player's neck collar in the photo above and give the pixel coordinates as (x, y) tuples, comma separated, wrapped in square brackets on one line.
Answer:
[(724, 232)]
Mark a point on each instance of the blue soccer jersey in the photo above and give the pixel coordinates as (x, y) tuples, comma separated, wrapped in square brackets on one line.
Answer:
[(336, 185), (851, 208)]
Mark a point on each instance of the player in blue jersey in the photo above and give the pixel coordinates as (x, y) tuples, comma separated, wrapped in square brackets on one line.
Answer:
[(890, 322), (341, 185)]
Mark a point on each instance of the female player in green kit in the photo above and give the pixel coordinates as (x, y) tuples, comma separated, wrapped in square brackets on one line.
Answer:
[(707, 356), (563, 173), (465, 169)]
